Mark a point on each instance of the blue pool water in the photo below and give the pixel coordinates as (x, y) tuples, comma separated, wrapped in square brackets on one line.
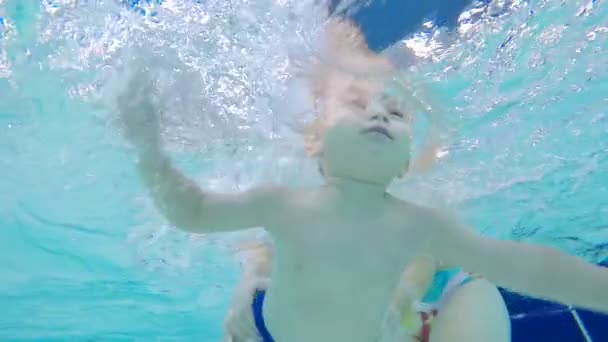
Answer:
[(83, 255)]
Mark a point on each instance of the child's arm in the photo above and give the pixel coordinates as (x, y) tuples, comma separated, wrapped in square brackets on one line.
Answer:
[(189, 208), (531, 269), (177, 197)]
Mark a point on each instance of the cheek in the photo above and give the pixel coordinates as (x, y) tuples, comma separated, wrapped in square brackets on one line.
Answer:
[(344, 138), (403, 143), (402, 128)]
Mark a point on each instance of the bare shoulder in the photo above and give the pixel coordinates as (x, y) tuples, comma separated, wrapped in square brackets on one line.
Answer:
[(410, 209), (281, 198), (295, 196), (420, 217), (290, 209)]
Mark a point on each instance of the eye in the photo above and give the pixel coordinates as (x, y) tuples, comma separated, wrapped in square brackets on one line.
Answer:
[(396, 113), (359, 103)]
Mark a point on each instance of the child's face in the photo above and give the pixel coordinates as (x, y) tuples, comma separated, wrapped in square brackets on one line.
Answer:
[(368, 133)]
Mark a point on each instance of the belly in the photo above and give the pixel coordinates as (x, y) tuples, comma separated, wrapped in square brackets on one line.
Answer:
[(334, 307)]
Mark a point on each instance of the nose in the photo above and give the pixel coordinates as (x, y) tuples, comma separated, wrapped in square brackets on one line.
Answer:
[(380, 117)]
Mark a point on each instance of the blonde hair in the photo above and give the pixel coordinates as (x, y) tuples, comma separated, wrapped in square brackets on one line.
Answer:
[(344, 52)]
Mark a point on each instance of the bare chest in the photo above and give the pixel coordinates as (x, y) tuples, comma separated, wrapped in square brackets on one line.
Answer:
[(357, 242)]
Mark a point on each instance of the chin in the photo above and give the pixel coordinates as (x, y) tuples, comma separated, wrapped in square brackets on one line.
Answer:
[(379, 176), (362, 169)]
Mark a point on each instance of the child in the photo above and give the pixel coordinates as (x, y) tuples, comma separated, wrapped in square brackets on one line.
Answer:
[(340, 248)]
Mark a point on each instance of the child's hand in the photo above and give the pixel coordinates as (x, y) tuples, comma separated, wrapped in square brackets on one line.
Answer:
[(426, 157), (139, 115)]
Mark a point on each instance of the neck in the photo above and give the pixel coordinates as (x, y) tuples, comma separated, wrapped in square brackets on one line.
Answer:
[(354, 187)]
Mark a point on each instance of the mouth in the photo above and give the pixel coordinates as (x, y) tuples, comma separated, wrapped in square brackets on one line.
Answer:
[(380, 130)]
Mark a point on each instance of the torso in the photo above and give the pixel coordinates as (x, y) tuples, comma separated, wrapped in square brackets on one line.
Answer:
[(337, 264)]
